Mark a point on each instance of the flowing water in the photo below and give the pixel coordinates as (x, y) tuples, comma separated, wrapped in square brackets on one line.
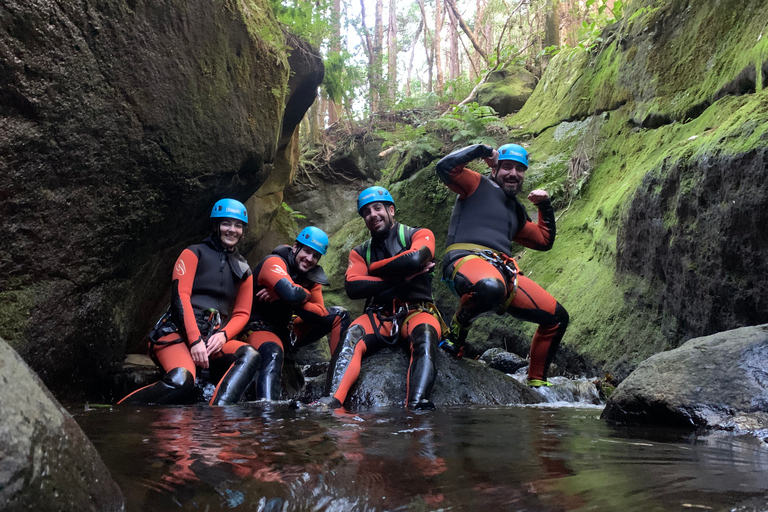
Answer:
[(553, 457)]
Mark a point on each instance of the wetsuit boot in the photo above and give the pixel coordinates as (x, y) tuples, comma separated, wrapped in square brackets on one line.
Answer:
[(456, 338), (269, 384), (341, 360), (238, 377), (422, 371), (176, 387)]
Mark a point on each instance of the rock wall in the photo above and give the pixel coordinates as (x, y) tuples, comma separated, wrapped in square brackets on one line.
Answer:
[(121, 123)]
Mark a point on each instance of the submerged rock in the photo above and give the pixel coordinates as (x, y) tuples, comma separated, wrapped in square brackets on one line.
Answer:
[(717, 381), (48, 463)]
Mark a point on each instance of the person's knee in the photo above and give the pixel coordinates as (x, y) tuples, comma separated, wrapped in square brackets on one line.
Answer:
[(271, 354), (562, 316), (488, 293), (424, 339), (180, 379)]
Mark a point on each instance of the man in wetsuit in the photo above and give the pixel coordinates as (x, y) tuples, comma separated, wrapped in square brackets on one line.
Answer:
[(288, 309), (392, 271), (478, 263)]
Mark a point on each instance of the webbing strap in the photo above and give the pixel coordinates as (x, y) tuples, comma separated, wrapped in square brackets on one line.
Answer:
[(428, 307), (400, 238), (460, 263), (468, 247)]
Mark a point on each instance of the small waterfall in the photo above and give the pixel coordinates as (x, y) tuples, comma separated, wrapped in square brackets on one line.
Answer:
[(581, 391)]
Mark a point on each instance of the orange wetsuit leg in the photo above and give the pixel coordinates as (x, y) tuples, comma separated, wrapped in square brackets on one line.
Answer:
[(533, 303), (345, 363)]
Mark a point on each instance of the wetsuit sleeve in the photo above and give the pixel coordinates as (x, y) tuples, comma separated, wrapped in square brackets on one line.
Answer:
[(410, 261), (358, 283), (314, 308), (183, 279), (274, 274), (241, 311), (541, 235), (452, 169)]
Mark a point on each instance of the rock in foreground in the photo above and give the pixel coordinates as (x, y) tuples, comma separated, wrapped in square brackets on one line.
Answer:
[(382, 382), (47, 461), (718, 381)]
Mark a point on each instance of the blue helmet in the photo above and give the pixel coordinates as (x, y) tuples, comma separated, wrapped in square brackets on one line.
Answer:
[(229, 209), (374, 195), (514, 152), (314, 238)]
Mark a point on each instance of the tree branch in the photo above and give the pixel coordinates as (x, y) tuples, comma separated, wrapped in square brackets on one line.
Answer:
[(452, 5)]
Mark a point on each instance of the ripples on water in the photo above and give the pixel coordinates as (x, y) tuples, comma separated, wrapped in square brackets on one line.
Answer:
[(269, 457)]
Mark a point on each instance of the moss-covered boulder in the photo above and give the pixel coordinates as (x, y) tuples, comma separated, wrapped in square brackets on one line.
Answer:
[(506, 90), (122, 123)]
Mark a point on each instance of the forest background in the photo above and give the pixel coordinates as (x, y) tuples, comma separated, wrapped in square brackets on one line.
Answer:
[(430, 54)]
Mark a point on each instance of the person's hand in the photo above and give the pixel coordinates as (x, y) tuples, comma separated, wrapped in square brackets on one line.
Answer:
[(266, 295), (215, 342), (199, 355), (493, 160), (426, 268), (538, 196)]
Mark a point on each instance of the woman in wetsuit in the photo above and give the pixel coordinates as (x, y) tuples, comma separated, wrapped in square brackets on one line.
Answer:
[(212, 292)]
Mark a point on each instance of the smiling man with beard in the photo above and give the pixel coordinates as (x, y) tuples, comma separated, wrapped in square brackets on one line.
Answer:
[(393, 271), (478, 264)]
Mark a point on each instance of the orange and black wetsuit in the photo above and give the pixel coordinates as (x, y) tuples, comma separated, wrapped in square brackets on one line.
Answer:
[(396, 308), (212, 290), (271, 328), (478, 262)]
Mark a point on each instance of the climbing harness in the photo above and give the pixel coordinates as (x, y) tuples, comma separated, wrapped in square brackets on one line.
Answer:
[(506, 265), (403, 312)]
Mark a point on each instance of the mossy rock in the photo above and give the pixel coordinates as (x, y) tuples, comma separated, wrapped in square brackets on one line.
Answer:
[(506, 90)]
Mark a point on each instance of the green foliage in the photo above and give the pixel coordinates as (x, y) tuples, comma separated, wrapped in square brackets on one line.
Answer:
[(291, 212), (472, 124), (616, 11), (311, 21)]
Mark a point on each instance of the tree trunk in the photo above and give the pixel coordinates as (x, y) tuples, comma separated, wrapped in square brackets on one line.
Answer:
[(428, 88), (471, 35), (392, 53), (453, 47), (314, 131), (437, 50), (335, 108), (552, 27), (378, 45), (408, 91)]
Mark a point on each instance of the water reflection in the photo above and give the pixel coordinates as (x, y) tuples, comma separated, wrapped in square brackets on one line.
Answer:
[(271, 457)]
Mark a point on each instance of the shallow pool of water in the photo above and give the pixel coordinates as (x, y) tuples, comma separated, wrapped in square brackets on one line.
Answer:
[(271, 457)]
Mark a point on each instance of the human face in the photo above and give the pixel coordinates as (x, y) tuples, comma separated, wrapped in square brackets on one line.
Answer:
[(510, 176), (230, 232), (306, 258), (378, 217)]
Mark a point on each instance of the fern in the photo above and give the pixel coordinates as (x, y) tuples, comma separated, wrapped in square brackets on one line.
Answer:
[(473, 124)]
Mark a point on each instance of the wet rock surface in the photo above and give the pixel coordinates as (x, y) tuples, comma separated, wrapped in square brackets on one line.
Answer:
[(382, 382), (718, 381), (47, 461), (500, 359)]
